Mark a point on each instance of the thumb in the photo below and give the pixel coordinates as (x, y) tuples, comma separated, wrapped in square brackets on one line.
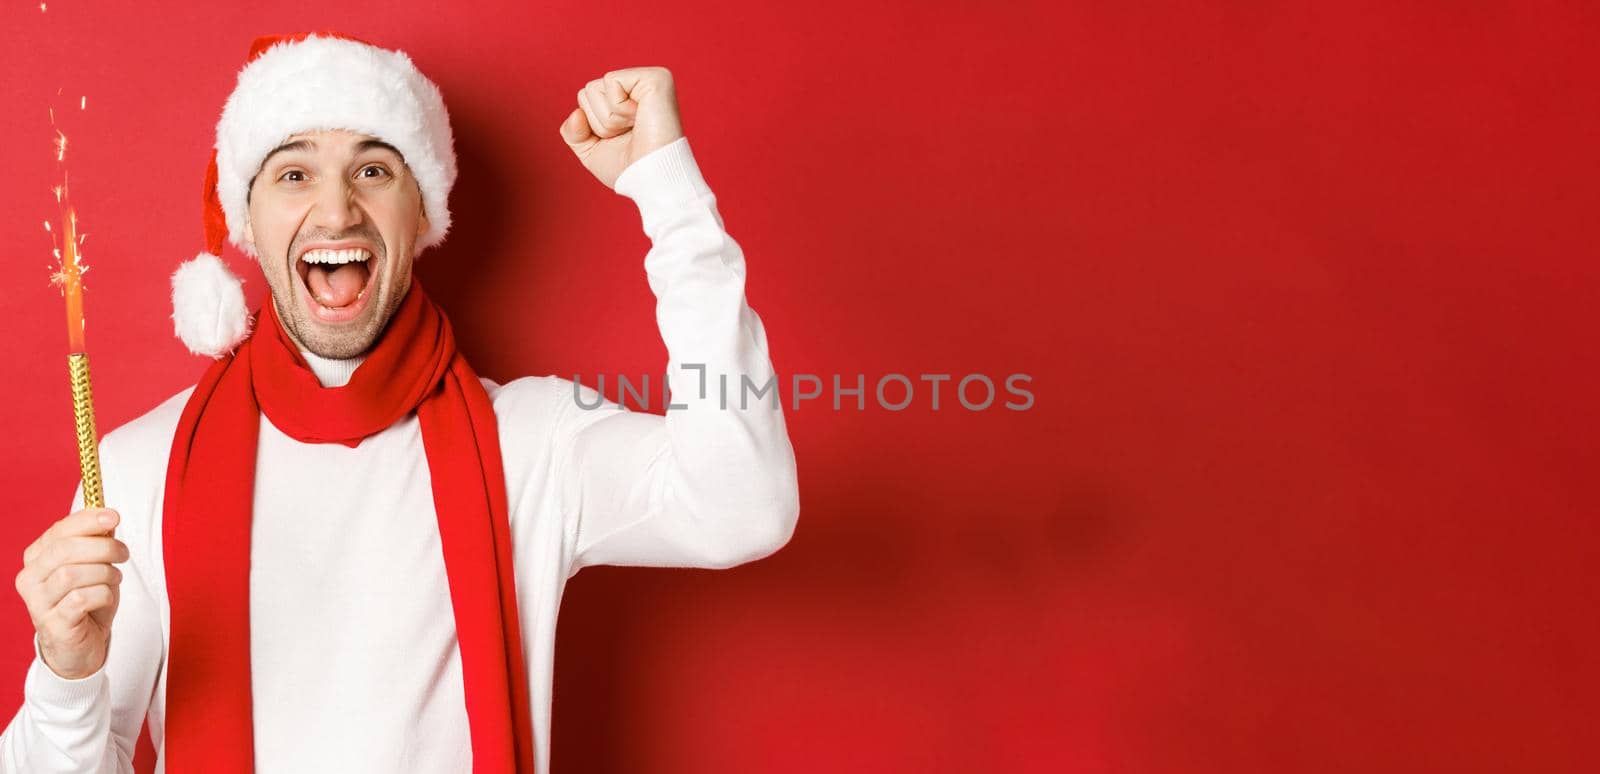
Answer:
[(575, 130)]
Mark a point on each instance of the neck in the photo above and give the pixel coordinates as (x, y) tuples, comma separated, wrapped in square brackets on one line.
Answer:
[(332, 372)]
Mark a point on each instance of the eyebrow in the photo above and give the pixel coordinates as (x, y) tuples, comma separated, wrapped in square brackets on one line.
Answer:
[(305, 145)]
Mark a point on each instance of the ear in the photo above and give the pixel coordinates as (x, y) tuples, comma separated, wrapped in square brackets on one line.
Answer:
[(422, 221), (249, 234)]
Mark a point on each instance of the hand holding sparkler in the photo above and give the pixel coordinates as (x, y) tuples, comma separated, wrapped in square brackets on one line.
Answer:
[(68, 580), (72, 589)]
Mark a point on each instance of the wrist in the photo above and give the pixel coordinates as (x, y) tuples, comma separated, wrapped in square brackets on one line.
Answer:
[(663, 183), (64, 669)]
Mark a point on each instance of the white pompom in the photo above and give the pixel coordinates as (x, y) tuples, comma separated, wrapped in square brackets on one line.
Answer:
[(208, 309)]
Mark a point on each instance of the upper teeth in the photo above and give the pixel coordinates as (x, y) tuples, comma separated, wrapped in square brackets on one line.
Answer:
[(336, 256)]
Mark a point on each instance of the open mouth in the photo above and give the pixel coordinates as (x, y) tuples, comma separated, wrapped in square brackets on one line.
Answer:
[(336, 281)]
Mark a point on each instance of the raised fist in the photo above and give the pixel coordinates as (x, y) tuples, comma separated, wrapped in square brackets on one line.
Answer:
[(620, 117)]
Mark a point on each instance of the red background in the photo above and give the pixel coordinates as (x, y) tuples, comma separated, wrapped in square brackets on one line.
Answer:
[(1306, 294)]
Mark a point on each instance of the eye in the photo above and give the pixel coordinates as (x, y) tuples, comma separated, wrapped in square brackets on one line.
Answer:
[(382, 172), (293, 176)]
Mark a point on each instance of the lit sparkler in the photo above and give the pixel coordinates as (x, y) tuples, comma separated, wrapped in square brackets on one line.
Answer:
[(67, 274)]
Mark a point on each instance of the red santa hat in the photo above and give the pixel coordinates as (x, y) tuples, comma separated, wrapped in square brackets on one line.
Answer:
[(298, 83)]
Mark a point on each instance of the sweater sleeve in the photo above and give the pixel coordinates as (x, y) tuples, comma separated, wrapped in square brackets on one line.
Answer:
[(91, 724), (712, 483)]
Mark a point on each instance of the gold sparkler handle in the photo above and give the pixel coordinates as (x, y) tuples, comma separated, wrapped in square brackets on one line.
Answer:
[(88, 439)]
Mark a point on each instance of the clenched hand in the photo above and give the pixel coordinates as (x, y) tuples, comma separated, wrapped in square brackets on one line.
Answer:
[(620, 117)]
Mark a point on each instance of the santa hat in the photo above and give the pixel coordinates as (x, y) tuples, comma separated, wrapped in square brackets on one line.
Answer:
[(298, 83)]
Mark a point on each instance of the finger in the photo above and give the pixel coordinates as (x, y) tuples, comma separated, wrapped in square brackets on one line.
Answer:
[(639, 83), (79, 549), (606, 95), (73, 576), (617, 95), (69, 612), (589, 111), (600, 117), (104, 614), (616, 115), (575, 130), (615, 92), (40, 598), (84, 522)]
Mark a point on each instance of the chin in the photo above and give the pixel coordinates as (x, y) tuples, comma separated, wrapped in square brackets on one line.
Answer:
[(339, 351), (333, 340)]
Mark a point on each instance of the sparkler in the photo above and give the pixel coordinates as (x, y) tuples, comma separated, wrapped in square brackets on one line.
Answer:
[(67, 273)]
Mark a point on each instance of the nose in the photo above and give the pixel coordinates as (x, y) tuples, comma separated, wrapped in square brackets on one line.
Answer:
[(336, 208)]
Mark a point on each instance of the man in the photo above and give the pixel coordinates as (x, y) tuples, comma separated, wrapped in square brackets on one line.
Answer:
[(342, 551)]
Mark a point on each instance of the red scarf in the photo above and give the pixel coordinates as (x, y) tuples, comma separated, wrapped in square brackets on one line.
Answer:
[(207, 512)]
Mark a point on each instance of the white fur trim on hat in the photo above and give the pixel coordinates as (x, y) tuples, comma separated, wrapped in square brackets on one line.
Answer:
[(331, 83), (208, 310)]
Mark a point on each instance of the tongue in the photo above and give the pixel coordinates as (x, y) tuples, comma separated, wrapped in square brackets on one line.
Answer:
[(337, 285)]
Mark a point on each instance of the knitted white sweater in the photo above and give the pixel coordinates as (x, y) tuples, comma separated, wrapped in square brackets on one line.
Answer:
[(355, 666)]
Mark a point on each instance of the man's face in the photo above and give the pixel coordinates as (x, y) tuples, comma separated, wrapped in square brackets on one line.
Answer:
[(335, 217)]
